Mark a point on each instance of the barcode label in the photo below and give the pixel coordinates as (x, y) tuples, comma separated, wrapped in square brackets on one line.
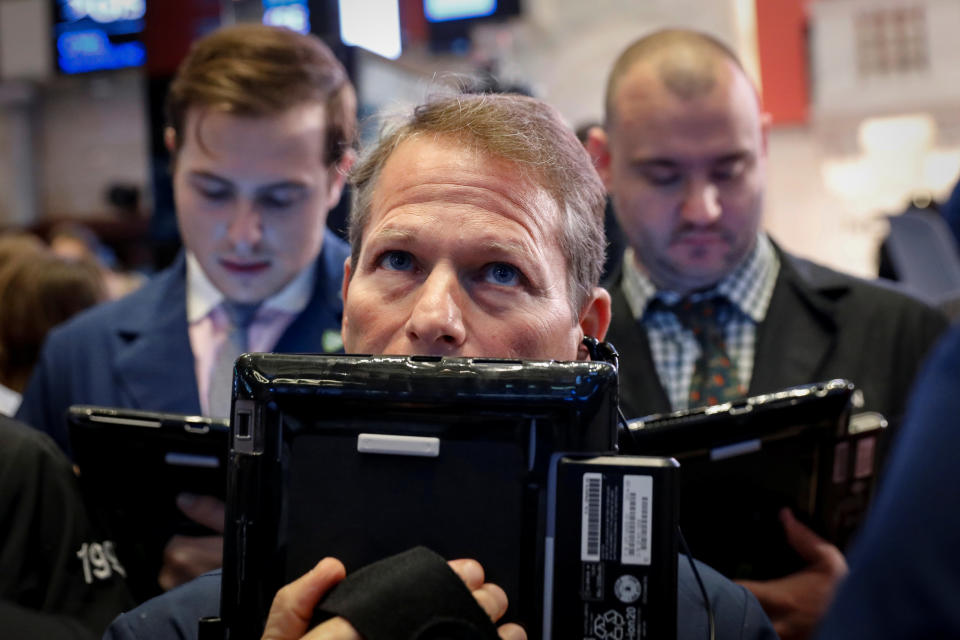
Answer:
[(635, 538), (590, 518)]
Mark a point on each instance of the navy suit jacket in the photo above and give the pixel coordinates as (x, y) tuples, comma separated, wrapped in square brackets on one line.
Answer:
[(904, 575), (737, 613), (820, 325), (135, 352)]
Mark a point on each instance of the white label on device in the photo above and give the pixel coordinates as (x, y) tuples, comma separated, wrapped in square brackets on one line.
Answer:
[(398, 445), (637, 516), (590, 517)]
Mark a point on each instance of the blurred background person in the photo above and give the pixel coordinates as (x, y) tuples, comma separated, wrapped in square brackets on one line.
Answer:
[(38, 291), (261, 125), (76, 241), (13, 246)]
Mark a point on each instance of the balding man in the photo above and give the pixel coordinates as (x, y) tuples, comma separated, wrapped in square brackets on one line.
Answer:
[(683, 155)]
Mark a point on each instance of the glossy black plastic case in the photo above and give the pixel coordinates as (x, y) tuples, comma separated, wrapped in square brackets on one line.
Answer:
[(742, 462), (360, 457)]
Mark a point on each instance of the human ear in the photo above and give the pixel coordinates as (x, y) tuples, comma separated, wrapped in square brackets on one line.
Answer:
[(170, 139), (598, 146), (344, 329), (337, 177), (594, 318)]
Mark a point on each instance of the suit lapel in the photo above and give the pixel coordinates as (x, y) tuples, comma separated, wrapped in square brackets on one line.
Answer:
[(154, 361), (641, 393), (317, 328), (799, 332)]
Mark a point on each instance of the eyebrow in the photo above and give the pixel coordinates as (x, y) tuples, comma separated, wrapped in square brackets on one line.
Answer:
[(734, 157), (206, 175), (280, 184), (670, 163), (389, 234)]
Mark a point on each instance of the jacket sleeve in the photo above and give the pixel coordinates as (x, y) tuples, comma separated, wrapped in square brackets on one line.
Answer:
[(904, 570), (736, 612), (54, 561), (23, 623)]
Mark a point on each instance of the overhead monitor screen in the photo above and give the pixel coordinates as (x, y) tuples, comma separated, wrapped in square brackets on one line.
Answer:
[(443, 10), (93, 35), (292, 14)]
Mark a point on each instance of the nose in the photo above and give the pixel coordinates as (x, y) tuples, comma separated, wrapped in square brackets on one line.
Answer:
[(435, 325), (701, 205), (245, 228)]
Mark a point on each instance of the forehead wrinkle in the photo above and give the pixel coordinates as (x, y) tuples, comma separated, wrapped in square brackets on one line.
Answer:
[(398, 232), (475, 194)]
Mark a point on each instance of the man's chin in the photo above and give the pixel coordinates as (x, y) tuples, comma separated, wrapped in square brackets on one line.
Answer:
[(245, 293), (687, 277)]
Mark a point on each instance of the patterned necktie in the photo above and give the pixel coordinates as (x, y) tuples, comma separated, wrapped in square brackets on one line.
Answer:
[(220, 394), (715, 379)]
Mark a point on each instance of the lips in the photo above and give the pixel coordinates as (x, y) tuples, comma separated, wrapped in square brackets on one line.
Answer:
[(700, 238), (245, 267)]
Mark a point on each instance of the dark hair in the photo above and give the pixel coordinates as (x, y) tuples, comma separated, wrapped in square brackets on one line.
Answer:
[(37, 292), (687, 70), (256, 70)]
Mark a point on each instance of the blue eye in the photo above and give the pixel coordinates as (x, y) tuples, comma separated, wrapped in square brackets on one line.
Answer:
[(502, 274), (397, 261)]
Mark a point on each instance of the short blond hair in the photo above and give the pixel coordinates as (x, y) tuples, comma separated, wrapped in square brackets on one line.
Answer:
[(521, 130)]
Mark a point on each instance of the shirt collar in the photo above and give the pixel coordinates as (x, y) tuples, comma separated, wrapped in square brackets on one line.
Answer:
[(749, 287), (203, 296)]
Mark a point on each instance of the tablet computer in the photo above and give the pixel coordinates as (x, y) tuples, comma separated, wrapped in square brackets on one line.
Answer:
[(132, 466), (361, 457), (742, 462)]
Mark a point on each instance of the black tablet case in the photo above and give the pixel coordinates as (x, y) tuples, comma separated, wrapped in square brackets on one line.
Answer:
[(299, 490), (132, 466), (742, 462)]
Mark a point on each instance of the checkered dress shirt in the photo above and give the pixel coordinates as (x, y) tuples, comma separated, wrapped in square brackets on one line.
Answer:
[(675, 349)]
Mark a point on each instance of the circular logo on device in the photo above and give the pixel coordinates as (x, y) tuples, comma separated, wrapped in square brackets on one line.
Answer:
[(627, 589)]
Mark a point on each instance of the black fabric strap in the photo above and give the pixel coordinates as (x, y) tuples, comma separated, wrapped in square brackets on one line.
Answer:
[(413, 595)]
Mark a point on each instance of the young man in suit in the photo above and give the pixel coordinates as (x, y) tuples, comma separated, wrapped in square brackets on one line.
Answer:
[(707, 308), (476, 230), (261, 123)]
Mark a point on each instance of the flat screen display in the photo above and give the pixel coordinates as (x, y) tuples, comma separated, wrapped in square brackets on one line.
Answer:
[(443, 10), (94, 35)]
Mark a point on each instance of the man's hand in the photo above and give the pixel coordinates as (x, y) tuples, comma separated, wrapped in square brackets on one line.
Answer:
[(796, 603), (293, 605), (186, 557)]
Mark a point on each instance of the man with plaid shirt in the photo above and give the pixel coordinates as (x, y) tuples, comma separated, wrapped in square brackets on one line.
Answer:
[(706, 307)]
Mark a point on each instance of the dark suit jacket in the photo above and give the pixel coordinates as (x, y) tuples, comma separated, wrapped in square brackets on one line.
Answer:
[(737, 613), (821, 325), (904, 569), (47, 589), (135, 352)]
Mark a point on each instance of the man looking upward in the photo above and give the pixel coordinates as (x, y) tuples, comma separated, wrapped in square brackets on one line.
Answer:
[(707, 308), (476, 230)]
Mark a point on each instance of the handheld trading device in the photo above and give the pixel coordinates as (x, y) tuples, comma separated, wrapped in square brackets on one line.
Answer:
[(361, 457), (742, 462), (133, 464)]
